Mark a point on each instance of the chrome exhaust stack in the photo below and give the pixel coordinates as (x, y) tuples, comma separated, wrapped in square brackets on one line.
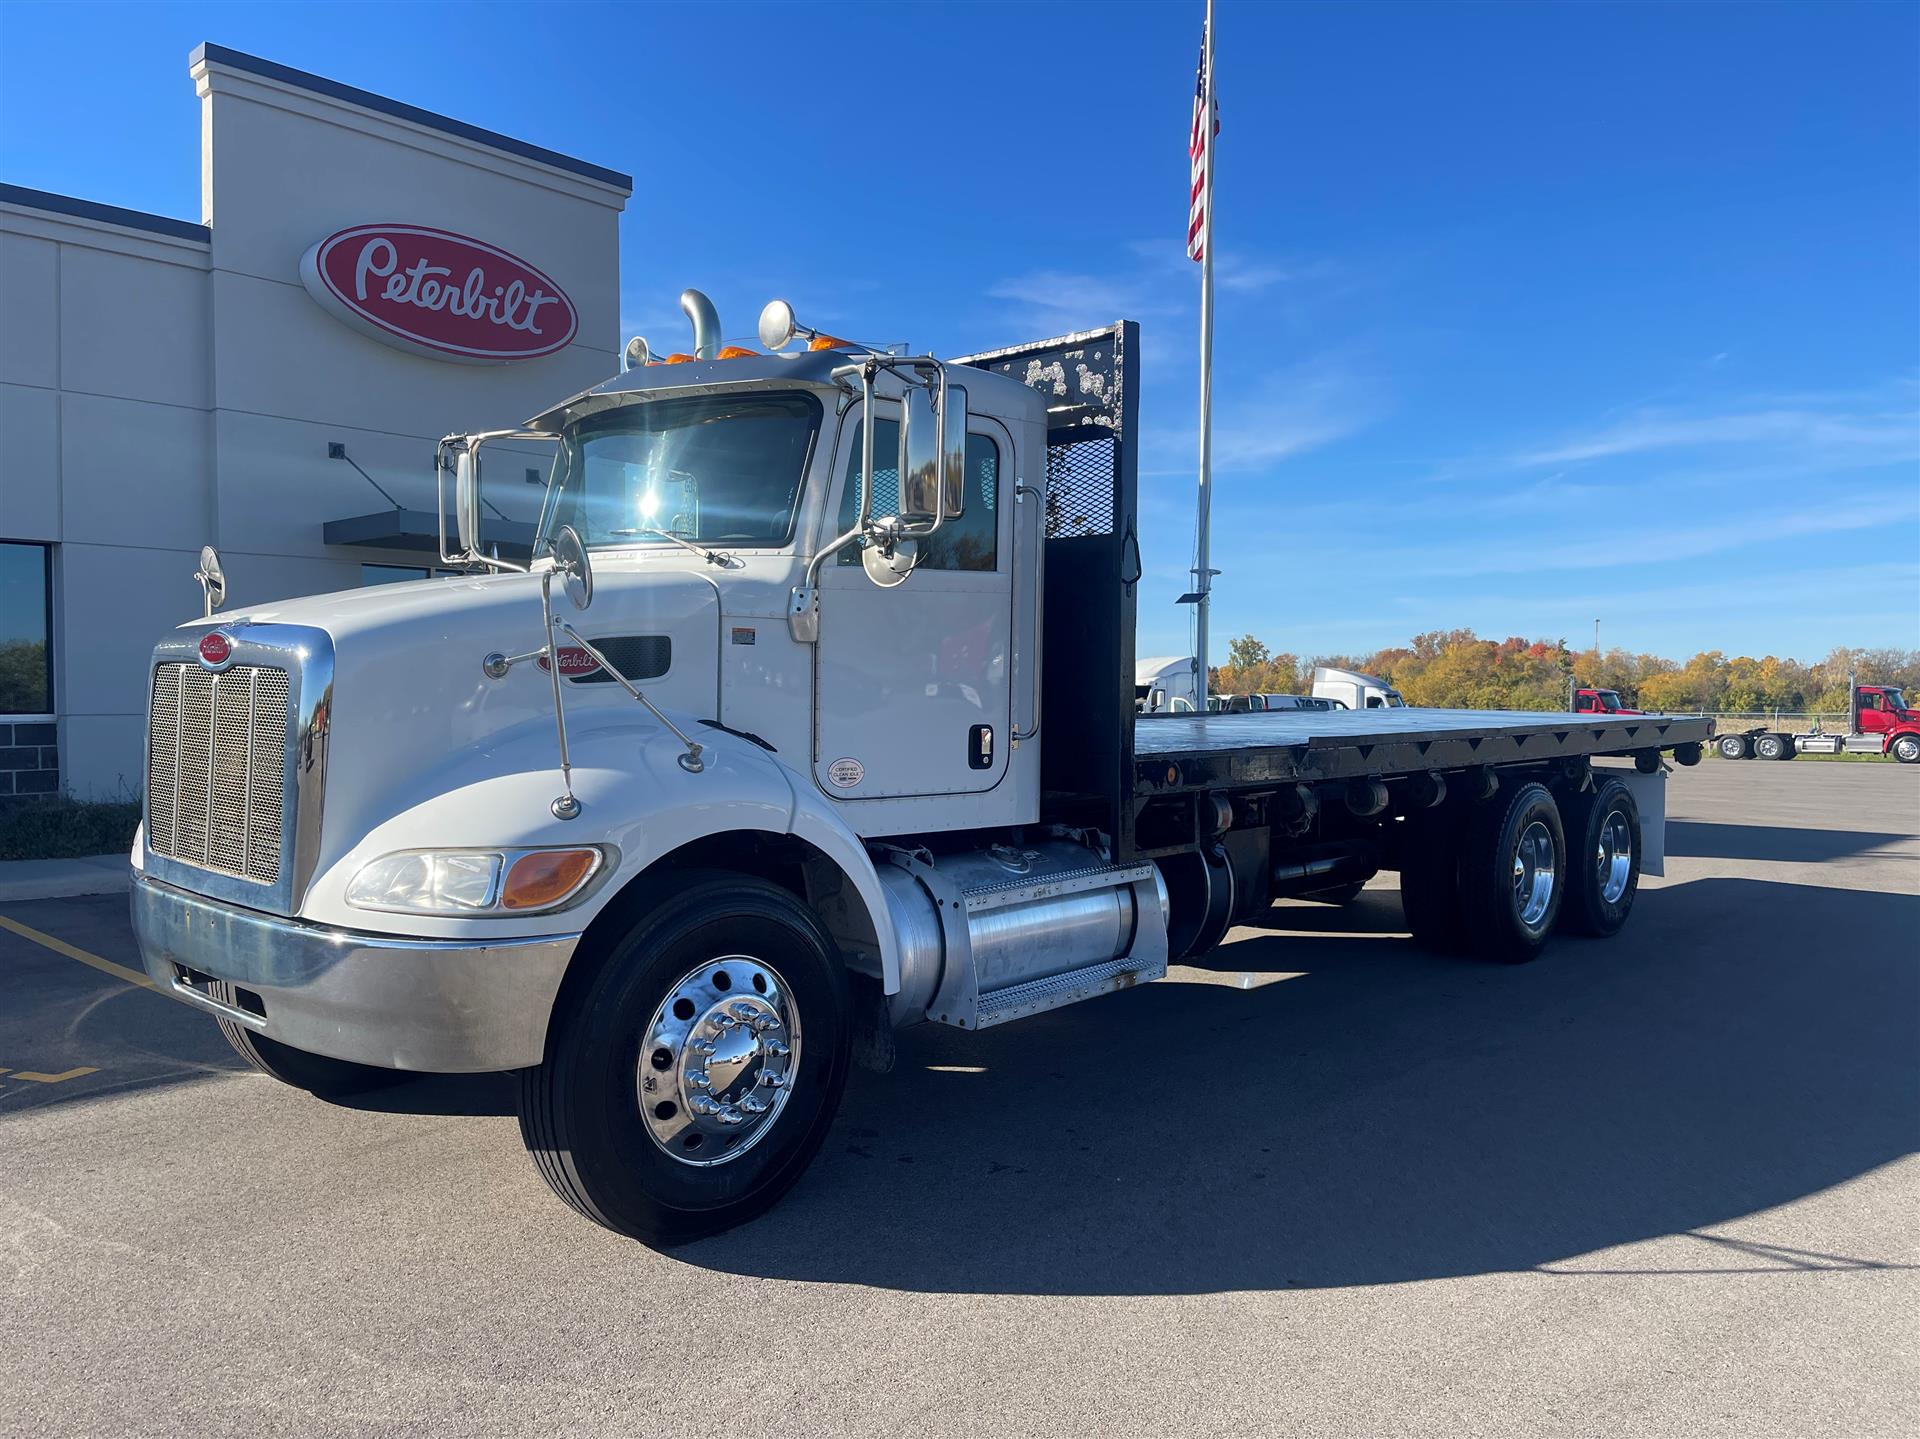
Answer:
[(706, 324)]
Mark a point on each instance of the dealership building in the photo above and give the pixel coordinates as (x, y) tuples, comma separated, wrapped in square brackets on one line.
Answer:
[(364, 278)]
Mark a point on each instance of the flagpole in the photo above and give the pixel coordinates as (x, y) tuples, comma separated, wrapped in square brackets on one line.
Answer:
[(1203, 570)]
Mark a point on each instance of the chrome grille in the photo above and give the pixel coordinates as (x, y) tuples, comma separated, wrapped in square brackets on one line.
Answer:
[(216, 768)]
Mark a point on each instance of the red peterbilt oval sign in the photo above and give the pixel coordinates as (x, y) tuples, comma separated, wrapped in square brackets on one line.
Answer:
[(440, 294), (215, 648), (574, 662)]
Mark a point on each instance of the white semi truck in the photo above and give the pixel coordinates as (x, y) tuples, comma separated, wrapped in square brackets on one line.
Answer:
[(813, 719)]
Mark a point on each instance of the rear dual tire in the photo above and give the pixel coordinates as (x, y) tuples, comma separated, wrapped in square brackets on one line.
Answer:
[(1603, 872), (1732, 746), (1772, 746), (1511, 885), (1499, 879)]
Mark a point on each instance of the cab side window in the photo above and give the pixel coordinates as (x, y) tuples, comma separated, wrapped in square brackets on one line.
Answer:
[(968, 543)]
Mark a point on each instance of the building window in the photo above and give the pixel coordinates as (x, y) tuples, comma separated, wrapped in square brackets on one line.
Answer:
[(26, 630), (392, 574)]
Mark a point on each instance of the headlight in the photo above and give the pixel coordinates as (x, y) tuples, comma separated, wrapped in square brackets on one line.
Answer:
[(471, 882)]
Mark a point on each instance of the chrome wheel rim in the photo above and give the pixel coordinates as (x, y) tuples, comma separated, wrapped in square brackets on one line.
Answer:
[(1533, 874), (718, 1060), (1613, 857)]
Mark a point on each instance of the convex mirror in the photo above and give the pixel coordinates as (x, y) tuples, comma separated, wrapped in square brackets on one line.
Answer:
[(576, 570), (212, 577), (466, 497)]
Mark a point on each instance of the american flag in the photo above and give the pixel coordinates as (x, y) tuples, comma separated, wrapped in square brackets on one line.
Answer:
[(1198, 144)]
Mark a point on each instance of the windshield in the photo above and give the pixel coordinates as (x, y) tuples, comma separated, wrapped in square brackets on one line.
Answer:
[(1609, 699), (1895, 698), (715, 469)]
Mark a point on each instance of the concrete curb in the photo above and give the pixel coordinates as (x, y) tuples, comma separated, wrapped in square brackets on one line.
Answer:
[(24, 879)]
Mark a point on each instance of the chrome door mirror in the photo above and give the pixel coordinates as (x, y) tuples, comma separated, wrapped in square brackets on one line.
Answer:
[(575, 569), (213, 580), (933, 456), (921, 507), (466, 497)]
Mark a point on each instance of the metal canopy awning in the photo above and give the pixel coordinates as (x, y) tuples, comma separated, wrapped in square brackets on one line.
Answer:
[(417, 532)]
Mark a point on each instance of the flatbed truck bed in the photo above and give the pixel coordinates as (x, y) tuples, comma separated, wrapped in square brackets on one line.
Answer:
[(1208, 751)]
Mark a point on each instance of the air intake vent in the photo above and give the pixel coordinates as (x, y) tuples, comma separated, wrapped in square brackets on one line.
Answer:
[(638, 657)]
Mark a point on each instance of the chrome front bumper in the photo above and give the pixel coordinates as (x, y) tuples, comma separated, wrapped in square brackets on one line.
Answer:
[(449, 1006)]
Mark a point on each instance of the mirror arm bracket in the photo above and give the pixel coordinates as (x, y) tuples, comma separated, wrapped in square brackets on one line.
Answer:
[(690, 761)]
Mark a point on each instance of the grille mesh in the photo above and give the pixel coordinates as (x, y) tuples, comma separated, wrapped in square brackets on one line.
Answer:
[(216, 761), (1080, 488)]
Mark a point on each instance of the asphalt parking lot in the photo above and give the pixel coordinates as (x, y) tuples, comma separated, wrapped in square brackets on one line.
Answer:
[(1330, 1184)]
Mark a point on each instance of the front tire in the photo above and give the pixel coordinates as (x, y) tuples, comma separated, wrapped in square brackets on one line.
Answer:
[(1603, 867), (1906, 749), (1510, 874), (689, 1081)]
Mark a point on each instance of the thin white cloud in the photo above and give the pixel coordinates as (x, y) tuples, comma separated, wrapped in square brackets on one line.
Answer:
[(1872, 435), (1301, 408), (1665, 542)]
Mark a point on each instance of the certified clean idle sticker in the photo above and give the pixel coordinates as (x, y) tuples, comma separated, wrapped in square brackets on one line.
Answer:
[(846, 773)]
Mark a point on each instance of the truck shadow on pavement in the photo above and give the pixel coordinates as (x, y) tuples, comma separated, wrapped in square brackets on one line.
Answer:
[(1697, 840), (1380, 1114)]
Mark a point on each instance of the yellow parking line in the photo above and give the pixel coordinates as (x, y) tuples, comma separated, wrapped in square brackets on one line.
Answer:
[(61, 1078), (60, 946)]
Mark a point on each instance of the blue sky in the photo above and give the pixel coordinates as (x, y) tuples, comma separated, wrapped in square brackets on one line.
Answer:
[(1527, 314)]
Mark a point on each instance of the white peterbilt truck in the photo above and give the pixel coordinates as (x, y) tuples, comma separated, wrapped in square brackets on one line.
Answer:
[(813, 718)]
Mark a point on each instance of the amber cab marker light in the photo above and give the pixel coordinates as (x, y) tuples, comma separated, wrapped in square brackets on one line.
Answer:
[(546, 878)]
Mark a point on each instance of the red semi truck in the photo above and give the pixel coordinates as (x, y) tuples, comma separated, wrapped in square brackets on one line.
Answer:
[(1587, 700), (1880, 722)]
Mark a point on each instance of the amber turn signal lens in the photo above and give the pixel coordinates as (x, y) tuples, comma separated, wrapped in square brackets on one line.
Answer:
[(537, 880), (737, 352), (828, 342)]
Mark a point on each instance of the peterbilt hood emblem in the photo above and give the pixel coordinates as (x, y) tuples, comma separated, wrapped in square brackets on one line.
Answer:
[(574, 662), (216, 649)]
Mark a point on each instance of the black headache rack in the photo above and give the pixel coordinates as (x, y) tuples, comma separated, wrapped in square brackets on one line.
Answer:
[(1090, 382)]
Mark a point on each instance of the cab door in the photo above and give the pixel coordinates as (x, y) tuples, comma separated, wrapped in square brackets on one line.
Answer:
[(912, 683)]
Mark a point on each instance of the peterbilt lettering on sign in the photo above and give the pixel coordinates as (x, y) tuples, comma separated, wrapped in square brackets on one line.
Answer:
[(440, 294)]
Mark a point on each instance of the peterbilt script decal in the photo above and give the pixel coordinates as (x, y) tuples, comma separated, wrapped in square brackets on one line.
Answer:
[(440, 294)]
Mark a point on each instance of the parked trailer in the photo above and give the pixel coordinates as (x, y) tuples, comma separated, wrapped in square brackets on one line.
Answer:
[(1879, 723), (777, 750)]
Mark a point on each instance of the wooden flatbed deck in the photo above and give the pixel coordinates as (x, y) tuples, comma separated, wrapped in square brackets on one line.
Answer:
[(1174, 752)]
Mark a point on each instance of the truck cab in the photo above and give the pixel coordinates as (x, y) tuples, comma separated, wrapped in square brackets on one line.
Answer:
[(1166, 684), (1350, 689), (1587, 700), (1881, 717)]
